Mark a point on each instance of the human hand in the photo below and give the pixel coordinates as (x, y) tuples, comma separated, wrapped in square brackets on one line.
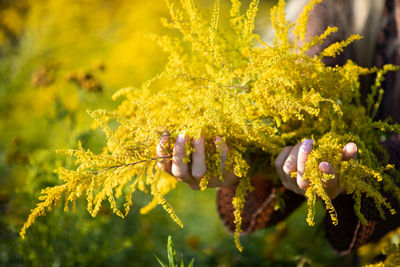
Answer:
[(191, 175), (293, 159)]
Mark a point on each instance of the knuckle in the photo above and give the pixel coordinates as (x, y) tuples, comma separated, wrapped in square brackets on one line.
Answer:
[(282, 157), (287, 169)]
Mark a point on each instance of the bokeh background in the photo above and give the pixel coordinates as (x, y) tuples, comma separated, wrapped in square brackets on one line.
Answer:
[(59, 58)]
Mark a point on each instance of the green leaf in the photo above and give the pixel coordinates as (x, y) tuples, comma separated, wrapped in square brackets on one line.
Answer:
[(191, 263), (160, 261), (171, 252)]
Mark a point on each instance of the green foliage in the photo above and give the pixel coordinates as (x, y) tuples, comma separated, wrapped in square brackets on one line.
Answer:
[(172, 256), (257, 97)]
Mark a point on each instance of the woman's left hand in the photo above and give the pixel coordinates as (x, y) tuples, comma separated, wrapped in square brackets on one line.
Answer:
[(294, 158)]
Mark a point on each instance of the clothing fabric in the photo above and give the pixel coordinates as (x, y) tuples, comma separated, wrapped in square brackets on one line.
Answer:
[(381, 47)]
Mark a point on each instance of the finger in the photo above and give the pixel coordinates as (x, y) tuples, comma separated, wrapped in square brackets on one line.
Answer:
[(199, 167), (349, 151), (327, 168), (222, 147), (279, 165), (179, 169), (290, 164), (304, 151), (162, 151), (332, 185), (230, 178)]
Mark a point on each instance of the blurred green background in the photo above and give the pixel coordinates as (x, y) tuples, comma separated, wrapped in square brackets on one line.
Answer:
[(59, 58)]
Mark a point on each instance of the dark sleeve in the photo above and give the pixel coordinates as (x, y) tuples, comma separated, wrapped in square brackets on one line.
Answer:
[(259, 209), (329, 13), (350, 234)]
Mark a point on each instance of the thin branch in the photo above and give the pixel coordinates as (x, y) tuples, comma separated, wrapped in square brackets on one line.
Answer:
[(130, 164)]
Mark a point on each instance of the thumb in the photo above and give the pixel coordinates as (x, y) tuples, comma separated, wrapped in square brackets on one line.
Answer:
[(349, 151), (332, 186)]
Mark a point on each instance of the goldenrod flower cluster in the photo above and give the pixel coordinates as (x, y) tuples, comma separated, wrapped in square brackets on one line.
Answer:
[(224, 81)]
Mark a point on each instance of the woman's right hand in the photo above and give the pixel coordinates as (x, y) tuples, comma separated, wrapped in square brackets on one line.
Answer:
[(191, 175)]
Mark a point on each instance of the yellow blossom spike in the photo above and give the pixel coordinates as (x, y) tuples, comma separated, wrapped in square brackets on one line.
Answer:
[(256, 99)]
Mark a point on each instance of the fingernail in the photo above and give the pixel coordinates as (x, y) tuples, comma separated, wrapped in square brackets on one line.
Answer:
[(324, 167), (350, 147), (181, 138), (307, 144), (196, 141)]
